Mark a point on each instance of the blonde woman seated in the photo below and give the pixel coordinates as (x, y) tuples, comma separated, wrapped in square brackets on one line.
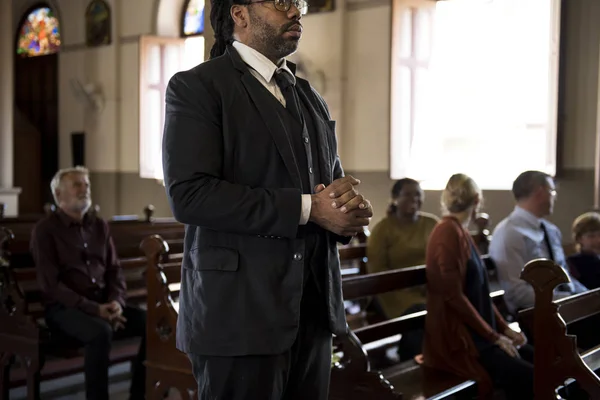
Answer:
[(464, 332)]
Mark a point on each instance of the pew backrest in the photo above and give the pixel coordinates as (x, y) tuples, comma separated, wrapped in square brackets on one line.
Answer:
[(353, 259), (356, 287), (127, 233), (25, 280)]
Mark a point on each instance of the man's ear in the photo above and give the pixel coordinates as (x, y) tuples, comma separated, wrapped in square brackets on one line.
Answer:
[(239, 14)]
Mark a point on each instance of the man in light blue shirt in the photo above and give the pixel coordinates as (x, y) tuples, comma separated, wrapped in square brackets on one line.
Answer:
[(524, 236)]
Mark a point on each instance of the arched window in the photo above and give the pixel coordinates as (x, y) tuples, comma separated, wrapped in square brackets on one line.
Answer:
[(193, 18), (39, 33), (160, 59), (97, 23)]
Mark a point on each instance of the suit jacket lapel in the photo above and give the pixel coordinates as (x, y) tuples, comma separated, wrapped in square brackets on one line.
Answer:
[(308, 98), (274, 125)]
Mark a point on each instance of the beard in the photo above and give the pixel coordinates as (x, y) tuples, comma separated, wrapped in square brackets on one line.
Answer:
[(82, 205), (270, 40)]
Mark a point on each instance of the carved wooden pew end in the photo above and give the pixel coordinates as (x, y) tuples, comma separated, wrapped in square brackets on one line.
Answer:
[(557, 358), (166, 367)]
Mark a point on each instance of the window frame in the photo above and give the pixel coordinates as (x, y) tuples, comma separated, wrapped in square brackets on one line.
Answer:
[(398, 7), (556, 85), (145, 43)]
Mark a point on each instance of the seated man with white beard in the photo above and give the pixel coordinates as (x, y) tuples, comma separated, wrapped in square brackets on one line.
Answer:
[(82, 284)]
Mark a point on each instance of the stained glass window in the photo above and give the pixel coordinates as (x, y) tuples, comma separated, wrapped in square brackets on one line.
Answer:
[(39, 35), (97, 23), (193, 20)]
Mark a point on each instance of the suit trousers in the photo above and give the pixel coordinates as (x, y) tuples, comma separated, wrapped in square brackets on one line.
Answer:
[(96, 335), (300, 373)]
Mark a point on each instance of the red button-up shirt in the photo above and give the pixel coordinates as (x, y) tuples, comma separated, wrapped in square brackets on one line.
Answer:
[(77, 265)]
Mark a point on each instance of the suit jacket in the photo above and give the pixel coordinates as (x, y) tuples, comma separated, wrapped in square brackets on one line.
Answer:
[(231, 177), (448, 344)]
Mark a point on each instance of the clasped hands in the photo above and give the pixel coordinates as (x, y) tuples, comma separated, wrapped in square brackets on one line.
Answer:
[(113, 313), (511, 341), (339, 207)]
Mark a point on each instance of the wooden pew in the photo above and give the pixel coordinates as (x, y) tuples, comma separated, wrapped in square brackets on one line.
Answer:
[(557, 358), (127, 232), (24, 337), (166, 367), (354, 376), (353, 261), (353, 256)]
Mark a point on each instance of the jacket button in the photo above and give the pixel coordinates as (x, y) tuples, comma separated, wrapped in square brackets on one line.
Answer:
[(297, 257)]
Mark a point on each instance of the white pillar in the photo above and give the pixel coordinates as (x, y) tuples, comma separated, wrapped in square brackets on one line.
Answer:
[(6, 94), (8, 195)]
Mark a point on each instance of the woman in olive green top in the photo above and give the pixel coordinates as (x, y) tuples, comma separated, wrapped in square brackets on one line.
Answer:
[(399, 241)]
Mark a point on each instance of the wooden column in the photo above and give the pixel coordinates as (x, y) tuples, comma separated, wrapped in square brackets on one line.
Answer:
[(7, 52)]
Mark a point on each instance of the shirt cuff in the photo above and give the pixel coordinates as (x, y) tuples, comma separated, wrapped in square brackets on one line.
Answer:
[(306, 206), (118, 298)]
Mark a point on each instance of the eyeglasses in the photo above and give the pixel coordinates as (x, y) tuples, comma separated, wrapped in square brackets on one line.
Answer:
[(285, 5)]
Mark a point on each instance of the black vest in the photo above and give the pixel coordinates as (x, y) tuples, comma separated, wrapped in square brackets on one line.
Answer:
[(304, 141)]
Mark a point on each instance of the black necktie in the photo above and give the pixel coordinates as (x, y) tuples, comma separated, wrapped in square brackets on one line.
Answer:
[(285, 81), (547, 241), (564, 287)]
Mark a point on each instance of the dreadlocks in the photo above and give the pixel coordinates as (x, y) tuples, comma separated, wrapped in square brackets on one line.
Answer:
[(222, 23)]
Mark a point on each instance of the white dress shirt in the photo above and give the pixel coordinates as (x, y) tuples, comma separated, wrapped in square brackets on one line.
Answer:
[(264, 70), (517, 240)]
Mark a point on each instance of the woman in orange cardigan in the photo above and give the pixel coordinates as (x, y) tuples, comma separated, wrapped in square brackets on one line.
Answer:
[(464, 332)]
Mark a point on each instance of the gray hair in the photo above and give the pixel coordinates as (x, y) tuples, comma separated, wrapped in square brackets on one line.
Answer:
[(58, 177)]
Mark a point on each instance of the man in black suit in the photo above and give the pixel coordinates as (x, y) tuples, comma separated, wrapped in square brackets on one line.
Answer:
[(251, 167)]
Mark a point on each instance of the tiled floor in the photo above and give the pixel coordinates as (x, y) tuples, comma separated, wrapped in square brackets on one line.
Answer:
[(72, 387)]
